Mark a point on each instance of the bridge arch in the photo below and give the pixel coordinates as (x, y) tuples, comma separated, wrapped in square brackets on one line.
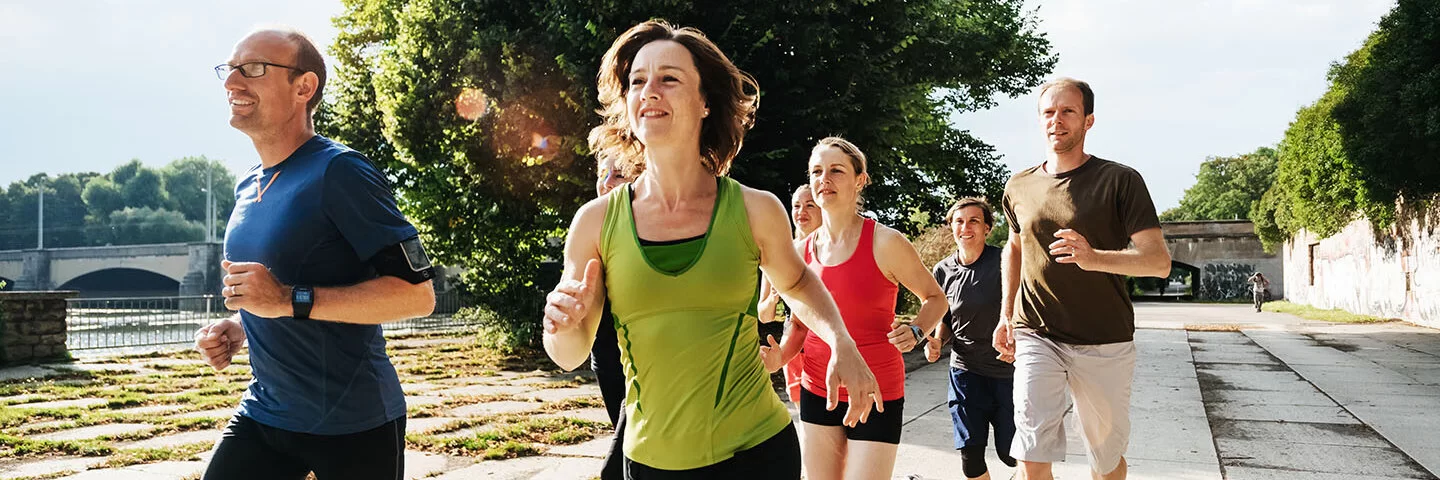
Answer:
[(122, 282), (1221, 255)]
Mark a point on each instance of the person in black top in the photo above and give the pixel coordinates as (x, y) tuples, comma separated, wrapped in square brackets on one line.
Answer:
[(605, 354), (980, 378)]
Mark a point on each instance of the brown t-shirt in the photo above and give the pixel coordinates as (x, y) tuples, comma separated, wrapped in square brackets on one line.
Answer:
[(1103, 201)]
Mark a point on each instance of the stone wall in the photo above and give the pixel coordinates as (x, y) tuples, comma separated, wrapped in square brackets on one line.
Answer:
[(32, 326), (1353, 271)]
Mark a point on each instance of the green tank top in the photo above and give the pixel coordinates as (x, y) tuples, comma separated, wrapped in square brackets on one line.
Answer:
[(696, 390)]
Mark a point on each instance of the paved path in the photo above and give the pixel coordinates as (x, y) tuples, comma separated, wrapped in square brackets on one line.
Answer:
[(1281, 399), (1278, 399)]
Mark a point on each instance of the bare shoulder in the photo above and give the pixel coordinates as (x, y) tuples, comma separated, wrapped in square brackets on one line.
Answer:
[(590, 219), (886, 237), (759, 199), (763, 207)]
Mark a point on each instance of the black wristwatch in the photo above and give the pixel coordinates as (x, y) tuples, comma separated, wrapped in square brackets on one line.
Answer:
[(919, 334), (302, 299)]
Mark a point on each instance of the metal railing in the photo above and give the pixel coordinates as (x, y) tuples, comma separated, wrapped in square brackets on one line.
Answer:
[(123, 323)]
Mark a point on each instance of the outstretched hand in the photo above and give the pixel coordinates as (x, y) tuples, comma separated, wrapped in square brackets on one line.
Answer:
[(567, 306)]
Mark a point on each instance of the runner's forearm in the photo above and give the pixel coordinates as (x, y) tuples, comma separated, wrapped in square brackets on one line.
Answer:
[(1010, 279), (375, 301)]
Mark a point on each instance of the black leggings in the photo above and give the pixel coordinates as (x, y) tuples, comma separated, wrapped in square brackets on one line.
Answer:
[(777, 458), (250, 450), (605, 362)]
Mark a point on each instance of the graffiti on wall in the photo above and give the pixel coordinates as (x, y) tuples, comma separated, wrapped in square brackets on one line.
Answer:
[(1354, 271), (1226, 281)]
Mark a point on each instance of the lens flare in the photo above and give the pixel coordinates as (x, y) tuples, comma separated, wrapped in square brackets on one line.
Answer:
[(471, 104)]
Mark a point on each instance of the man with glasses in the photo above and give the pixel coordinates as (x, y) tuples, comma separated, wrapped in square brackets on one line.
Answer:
[(317, 256)]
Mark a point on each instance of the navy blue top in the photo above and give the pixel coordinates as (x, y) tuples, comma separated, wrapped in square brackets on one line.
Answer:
[(316, 223)]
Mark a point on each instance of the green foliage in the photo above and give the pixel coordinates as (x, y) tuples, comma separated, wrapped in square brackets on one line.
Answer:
[(103, 196), (1312, 313), (1318, 185), (145, 190), (79, 207), (1000, 234), (1226, 187), (1390, 114), (1369, 141), (65, 211), (185, 184), (132, 226), (490, 195)]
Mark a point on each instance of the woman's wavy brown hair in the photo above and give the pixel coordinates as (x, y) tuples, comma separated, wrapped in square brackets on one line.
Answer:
[(731, 95)]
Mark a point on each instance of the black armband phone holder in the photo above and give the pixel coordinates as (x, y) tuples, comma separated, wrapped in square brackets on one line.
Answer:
[(406, 260)]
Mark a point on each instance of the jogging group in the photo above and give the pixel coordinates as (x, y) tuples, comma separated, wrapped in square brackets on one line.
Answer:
[(668, 274)]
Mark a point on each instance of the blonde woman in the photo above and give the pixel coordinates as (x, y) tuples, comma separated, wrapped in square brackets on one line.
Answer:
[(863, 264)]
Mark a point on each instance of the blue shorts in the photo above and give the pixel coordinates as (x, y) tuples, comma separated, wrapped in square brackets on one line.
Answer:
[(978, 402)]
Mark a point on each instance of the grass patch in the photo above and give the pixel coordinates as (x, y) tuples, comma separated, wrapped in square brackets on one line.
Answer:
[(135, 456), (1212, 327), (48, 476), (13, 446), (575, 403), (1311, 313), (194, 387), (512, 436)]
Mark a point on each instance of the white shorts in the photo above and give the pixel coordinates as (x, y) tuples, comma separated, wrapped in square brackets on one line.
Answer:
[(1099, 378)]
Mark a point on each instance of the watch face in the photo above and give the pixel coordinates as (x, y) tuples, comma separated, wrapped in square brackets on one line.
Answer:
[(303, 296)]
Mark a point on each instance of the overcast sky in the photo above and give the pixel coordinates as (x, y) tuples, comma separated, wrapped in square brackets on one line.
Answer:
[(88, 85)]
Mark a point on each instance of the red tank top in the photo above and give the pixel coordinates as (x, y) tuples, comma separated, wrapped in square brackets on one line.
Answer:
[(867, 304)]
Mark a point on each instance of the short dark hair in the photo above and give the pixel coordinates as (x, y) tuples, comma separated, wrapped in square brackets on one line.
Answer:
[(972, 202), (1087, 95), (307, 59)]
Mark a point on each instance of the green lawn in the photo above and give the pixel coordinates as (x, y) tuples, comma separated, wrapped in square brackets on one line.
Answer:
[(180, 380), (1312, 313)]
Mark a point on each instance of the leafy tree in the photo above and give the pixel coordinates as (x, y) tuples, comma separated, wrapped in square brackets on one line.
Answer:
[(1226, 187), (123, 173), (495, 192), (24, 197), (184, 181), (1318, 186), (136, 226), (65, 211), (102, 196), (1390, 114), (146, 189)]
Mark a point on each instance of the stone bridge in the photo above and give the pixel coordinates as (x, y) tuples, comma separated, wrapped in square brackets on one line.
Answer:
[(1219, 255), (161, 269)]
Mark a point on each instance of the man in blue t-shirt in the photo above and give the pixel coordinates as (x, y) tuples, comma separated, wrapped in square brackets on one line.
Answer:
[(317, 256)]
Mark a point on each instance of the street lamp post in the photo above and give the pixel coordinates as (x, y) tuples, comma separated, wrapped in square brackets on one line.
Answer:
[(40, 224), (209, 206)]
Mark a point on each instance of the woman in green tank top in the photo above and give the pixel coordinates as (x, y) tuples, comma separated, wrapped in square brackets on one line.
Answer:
[(676, 253)]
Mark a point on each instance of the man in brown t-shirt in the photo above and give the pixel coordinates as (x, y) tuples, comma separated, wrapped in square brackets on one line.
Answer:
[(1078, 225)]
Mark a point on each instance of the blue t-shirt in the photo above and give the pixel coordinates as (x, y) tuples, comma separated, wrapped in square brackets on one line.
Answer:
[(315, 219)]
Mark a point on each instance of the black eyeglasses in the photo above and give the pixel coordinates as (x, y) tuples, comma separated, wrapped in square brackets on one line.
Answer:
[(248, 69)]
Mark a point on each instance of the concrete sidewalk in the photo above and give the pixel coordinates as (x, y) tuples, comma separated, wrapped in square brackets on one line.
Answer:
[(1170, 436), (1265, 396)]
